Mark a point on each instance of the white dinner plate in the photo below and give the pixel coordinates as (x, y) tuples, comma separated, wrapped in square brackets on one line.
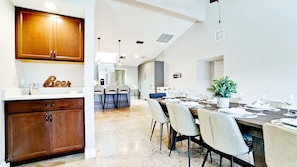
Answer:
[(278, 122), (289, 121), (259, 108)]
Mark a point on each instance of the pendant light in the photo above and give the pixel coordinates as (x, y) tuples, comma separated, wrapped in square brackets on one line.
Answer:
[(120, 62), (97, 58)]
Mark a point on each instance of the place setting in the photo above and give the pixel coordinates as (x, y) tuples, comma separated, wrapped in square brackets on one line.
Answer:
[(290, 123), (261, 104)]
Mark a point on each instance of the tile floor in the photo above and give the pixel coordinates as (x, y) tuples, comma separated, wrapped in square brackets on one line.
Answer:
[(122, 140)]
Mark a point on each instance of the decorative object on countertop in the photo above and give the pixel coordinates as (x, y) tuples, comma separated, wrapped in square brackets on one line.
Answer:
[(223, 88), (52, 82)]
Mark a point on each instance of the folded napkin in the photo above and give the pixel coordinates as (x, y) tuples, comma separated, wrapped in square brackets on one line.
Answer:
[(172, 100), (192, 104), (238, 112), (259, 105), (212, 101)]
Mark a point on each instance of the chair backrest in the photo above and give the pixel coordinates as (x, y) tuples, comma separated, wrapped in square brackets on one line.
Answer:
[(111, 89), (157, 111), (280, 145), (220, 131), (123, 89), (98, 89), (181, 119), (156, 95)]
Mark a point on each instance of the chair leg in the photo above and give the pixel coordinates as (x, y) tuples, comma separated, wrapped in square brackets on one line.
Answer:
[(105, 96), (161, 134), (153, 130), (102, 101), (232, 162), (172, 143), (189, 158), (152, 123), (205, 157), (221, 157)]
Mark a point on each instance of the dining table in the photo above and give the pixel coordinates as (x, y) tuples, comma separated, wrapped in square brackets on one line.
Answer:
[(251, 125)]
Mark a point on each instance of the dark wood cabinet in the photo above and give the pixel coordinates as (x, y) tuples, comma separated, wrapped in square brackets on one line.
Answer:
[(46, 36), (39, 128)]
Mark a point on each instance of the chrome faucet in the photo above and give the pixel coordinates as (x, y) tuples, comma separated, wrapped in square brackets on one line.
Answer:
[(33, 89)]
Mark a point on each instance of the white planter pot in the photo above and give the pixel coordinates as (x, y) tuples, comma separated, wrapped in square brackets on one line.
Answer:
[(223, 102)]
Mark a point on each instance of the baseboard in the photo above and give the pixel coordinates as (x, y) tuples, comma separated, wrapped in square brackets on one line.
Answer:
[(90, 153), (4, 164)]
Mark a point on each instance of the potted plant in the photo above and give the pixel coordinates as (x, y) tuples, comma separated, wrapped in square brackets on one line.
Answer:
[(223, 88)]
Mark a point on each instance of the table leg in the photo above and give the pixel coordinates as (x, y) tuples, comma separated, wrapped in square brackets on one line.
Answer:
[(258, 152), (172, 134)]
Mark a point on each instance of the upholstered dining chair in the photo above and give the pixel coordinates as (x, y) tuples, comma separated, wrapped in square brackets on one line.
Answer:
[(280, 145), (123, 90), (159, 116), (110, 91), (182, 121), (99, 91), (221, 132)]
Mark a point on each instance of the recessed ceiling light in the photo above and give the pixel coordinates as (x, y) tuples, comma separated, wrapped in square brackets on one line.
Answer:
[(50, 5)]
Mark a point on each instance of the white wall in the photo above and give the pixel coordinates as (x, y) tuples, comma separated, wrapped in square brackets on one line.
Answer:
[(131, 76), (39, 73), (259, 47), (7, 63)]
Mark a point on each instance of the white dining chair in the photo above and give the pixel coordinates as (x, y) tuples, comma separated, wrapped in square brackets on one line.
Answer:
[(182, 121), (280, 145), (221, 132), (99, 91), (123, 91), (110, 91), (159, 116)]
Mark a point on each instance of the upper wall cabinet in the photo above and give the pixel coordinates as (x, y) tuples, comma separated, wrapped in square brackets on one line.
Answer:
[(45, 36)]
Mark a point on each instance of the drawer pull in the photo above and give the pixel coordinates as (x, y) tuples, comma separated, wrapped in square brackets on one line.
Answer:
[(49, 105)]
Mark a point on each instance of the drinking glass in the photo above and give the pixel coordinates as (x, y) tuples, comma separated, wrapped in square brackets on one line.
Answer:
[(239, 98), (289, 100), (263, 101)]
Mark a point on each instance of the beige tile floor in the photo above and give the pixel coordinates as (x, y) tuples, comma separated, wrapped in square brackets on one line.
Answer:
[(122, 140)]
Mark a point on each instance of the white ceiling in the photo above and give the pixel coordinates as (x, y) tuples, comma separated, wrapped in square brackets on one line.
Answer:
[(132, 20)]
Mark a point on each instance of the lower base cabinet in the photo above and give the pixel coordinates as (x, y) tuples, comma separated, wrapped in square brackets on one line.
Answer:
[(41, 128)]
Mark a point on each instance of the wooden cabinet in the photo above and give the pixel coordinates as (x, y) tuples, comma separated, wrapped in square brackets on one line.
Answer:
[(47, 36), (39, 128)]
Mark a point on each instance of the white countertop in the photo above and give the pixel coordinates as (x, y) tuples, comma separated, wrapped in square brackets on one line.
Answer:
[(45, 93)]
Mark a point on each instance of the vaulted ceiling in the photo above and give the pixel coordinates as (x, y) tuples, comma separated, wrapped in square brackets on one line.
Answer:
[(131, 21)]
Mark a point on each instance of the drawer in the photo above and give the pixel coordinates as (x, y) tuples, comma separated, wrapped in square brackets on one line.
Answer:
[(22, 106)]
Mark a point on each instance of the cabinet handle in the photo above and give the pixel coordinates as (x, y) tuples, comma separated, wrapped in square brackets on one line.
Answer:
[(46, 117), (55, 53), (51, 118), (51, 54)]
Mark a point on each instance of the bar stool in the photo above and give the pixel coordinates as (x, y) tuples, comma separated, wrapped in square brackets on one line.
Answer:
[(110, 91), (123, 90), (99, 91)]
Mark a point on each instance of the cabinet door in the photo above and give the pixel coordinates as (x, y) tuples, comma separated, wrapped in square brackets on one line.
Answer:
[(27, 136), (68, 39), (66, 131), (34, 35)]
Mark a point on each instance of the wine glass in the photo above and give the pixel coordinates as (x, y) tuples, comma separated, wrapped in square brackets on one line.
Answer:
[(239, 98), (289, 100), (262, 101)]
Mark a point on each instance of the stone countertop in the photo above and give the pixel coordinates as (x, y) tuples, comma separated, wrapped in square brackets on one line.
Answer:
[(45, 93)]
